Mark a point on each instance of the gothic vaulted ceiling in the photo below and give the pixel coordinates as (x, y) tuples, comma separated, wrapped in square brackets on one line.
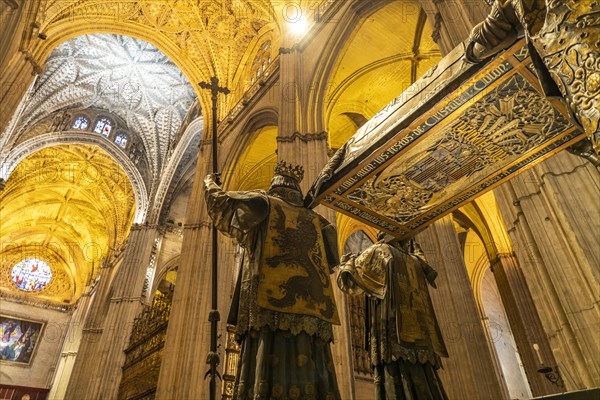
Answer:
[(126, 77), (68, 206), (204, 38), (363, 82)]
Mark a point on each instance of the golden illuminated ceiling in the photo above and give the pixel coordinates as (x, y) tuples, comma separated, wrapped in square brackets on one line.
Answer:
[(203, 38), (256, 165), (206, 38), (363, 82), (70, 206)]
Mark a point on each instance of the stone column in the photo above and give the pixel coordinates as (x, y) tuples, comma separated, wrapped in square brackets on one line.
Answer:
[(552, 216), (70, 348), (452, 21), (98, 367), (469, 372), (290, 114), (18, 31), (188, 335), (524, 323), (310, 149), (92, 331)]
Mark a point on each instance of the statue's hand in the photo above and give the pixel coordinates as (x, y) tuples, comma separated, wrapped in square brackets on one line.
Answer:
[(212, 180), (479, 52), (346, 282), (345, 279)]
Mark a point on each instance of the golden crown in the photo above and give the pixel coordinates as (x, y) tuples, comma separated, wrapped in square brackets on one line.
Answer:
[(296, 172)]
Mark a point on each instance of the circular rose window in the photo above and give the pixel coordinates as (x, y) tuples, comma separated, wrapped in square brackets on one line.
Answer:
[(31, 274)]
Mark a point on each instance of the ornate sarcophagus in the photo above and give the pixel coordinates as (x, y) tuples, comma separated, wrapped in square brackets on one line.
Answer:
[(457, 132)]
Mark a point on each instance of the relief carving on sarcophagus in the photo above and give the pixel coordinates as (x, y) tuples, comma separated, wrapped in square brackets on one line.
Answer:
[(459, 131)]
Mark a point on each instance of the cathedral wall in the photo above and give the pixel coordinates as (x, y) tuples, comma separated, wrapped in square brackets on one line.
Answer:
[(502, 339), (43, 363), (552, 217)]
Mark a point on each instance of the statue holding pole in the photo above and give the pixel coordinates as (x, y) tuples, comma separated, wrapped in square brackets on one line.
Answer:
[(213, 359), (283, 307)]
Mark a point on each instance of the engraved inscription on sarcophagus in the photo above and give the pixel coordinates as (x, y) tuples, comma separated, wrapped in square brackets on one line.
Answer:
[(457, 132)]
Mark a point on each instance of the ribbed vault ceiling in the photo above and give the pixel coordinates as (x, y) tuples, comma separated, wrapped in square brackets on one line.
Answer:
[(69, 206), (400, 50), (127, 77)]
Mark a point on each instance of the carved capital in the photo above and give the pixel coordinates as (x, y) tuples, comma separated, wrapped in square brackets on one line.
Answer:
[(306, 137), (497, 262), (203, 224), (510, 254), (437, 27), (145, 225), (288, 50)]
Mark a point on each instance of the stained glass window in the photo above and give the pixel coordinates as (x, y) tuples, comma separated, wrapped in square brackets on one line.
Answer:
[(103, 126), (31, 274), (81, 123), (121, 140)]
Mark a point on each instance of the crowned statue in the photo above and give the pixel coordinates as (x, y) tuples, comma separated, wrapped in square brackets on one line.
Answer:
[(283, 306)]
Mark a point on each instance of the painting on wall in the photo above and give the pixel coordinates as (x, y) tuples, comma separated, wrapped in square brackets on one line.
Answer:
[(19, 339)]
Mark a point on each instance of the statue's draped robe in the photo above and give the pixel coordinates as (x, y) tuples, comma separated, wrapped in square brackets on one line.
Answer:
[(283, 305), (405, 339)]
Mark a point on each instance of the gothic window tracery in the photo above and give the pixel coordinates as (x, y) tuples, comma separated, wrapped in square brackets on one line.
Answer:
[(103, 126), (261, 61), (121, 140), (81, 122)]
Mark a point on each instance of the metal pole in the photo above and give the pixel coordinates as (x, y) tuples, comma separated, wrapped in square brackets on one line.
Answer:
[(213, 316)]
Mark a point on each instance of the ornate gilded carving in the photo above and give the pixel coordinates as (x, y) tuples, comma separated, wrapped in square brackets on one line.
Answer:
[(409, 165), (565, 35), (503, 125), (569, 43), (232, 355), (393, 193), (144, 353)]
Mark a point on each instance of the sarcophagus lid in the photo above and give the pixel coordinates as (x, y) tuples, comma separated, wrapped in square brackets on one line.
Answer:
[(457, 132)]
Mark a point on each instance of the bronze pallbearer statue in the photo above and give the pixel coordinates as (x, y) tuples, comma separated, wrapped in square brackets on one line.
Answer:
[(405, 339), (283, 307)]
